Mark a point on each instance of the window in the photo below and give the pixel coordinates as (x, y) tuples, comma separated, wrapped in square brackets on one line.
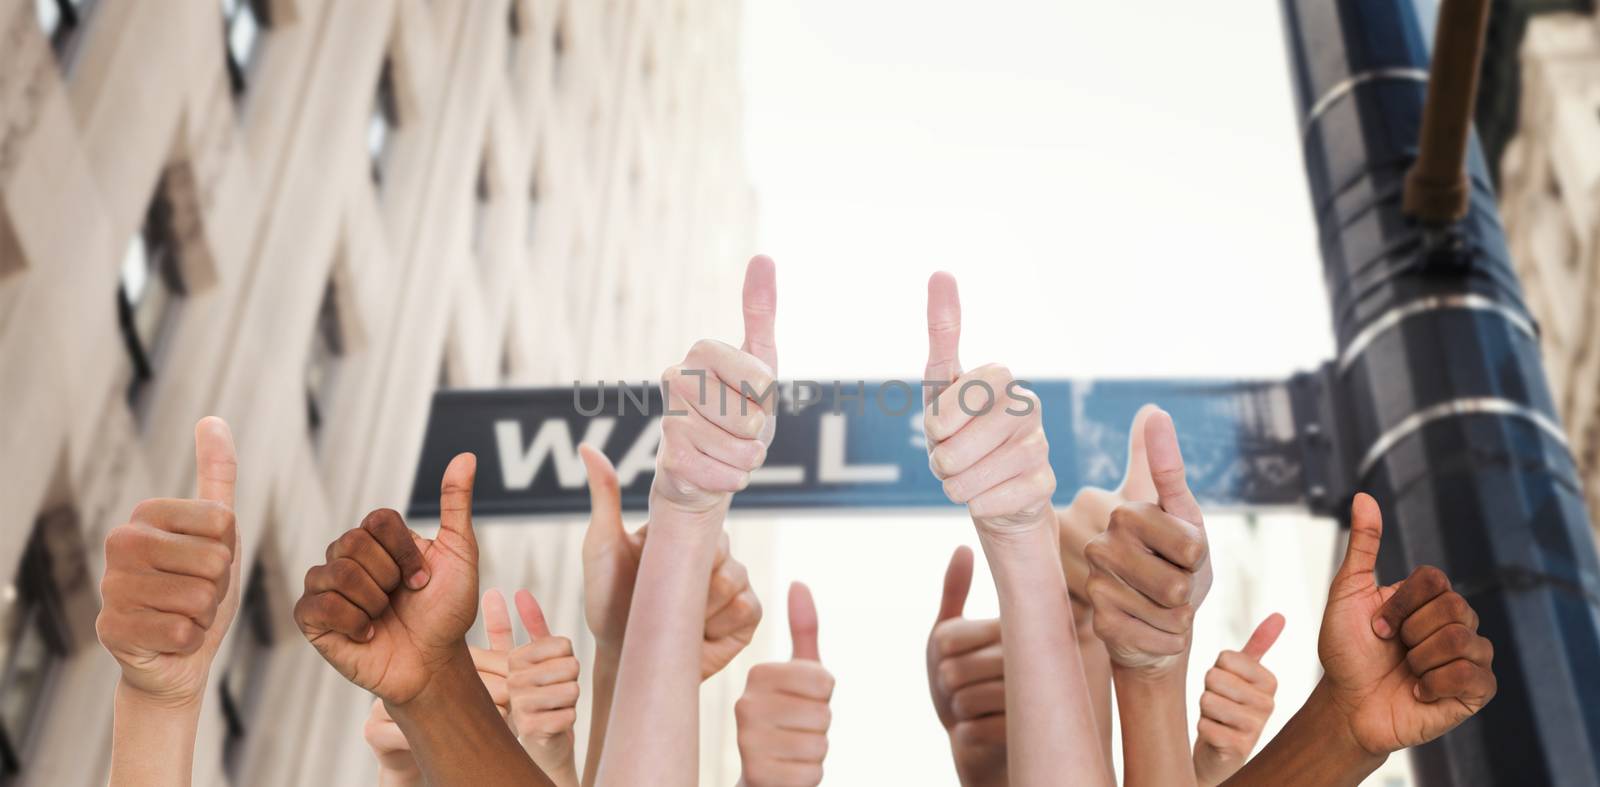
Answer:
[(148, 293), (322, 362), (383, 122), (243, 21), (242, 678), (34, 626), (62, 21)]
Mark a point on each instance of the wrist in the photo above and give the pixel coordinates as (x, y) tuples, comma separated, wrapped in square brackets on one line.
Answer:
[(131, 698), (444, 685), (1026, 530), (1323, 711)]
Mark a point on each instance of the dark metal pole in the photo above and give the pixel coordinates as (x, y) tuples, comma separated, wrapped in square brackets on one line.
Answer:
[(1439, 405)]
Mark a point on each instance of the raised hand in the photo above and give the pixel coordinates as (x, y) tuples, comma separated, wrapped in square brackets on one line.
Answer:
[(1404, 663), (1235, 706), (966, 678), (384, 638), (1151, 568), (171, 584), (985, 435), (721, 408), (783, 717), (543, 683), (1090, 511), (611, 566)]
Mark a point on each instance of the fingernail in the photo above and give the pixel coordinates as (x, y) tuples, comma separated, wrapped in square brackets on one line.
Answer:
[(366, 634), (1381, 627), (418, 580), (1416, 690)]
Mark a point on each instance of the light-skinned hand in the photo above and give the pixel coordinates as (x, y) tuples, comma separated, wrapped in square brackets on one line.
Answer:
[(783, 717), (1235, 706), (966, 678)]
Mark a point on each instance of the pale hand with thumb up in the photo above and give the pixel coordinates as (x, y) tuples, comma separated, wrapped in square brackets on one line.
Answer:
[(543, 682), (171, 584), (1404, 663), (783, 717), (1151, 568), (985, 433), (388, 609), (721, 408), (966, 678), (1235, 706)]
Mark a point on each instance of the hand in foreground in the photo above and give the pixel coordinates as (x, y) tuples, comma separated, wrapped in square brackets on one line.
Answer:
[(985, 432), (543, 682), (966, 678), (171, 585), (721, 409), (1151, 568), (384, 638), (783, 717), (397, 766), (1404, 663), (1090, 511), (611, 566), (1235, 706)]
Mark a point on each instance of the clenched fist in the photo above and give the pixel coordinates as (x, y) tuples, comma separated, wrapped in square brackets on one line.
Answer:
[(783, 717), (721, 408), (388, 609), (966, 678), (1151, 569), (171, 585), (1404, 663), (543, 683), (611, 566), (1235, 706), (985, 433)]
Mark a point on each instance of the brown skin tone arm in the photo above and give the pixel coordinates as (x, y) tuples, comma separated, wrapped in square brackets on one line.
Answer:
[(1315, 745), (457, 735)]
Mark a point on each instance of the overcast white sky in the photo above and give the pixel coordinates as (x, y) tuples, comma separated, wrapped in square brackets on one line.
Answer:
[(1117, 187)]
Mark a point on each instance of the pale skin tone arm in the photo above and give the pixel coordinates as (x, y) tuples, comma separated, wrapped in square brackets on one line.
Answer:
[(783, 716), (997, 464), (1148, 574), (610, 567), (1402, 665), (542, 678), (170, 590), (707, 453)]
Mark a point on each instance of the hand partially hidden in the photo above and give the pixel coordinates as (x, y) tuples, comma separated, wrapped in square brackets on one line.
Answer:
[(985, 434), (171, 584), (611, 565), (721, 408), (389, 744), (384, 637), (783, 717), (966, 678), (1235, 706), (1404, 662), (1151, 569), (1090, 511), (543, 684)]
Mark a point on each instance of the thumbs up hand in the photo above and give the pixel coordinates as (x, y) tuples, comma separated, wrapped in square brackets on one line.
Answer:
[(1150, 569), (171, 584), (388, 609), (783, 717), (1404, 663), (1235, 706), (966, 677), (721, 408), (543, 683), (1090, 511), (985, 434)]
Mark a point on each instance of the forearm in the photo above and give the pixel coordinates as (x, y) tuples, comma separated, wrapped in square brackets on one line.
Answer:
[(393, 778), (152, 741), (457, 735), (1047, 699), (1096, 672), (606, 661), (1316, 746), (659, 673), (1155, 726)]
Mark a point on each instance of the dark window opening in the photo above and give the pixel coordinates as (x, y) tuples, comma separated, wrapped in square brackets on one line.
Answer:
[(533, 210), (33, 620), (243, 677), (62, 22), (149, 290), (385, 119), (322, 362), (243, 22), (482, 197)]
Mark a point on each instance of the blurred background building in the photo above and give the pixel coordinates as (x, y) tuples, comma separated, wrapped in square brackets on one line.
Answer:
[(1550, 200), (304, 215)]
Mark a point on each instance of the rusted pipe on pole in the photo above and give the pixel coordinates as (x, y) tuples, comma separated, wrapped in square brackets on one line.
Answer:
[(1436, 190)]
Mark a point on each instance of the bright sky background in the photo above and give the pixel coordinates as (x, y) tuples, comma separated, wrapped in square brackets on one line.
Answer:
[(1118, 189)]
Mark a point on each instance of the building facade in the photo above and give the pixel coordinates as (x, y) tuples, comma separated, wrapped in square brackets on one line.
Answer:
[(1551, 207), (305, 216)]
